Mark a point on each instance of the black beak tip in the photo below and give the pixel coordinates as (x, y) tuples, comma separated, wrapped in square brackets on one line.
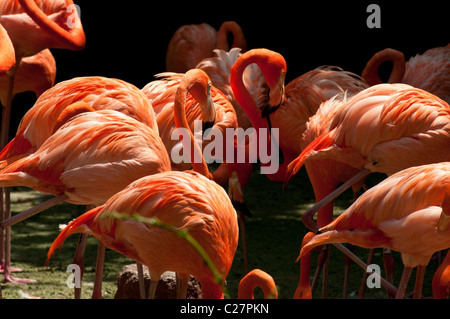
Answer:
[(206, 126), (241, 207)]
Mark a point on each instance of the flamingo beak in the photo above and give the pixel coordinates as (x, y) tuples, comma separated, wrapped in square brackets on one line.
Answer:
[(276, 96), (237, 195), (208, 112)]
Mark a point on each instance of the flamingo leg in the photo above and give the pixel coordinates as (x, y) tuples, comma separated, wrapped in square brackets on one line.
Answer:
[(362, 287), (391, 289), (388, 261), (97, 293), (244, 244), (140, 270), (182, 285), (5, 211), (152, 289), (308, 216), (325, 272), (33, 211), (403, 283), (419, 281), (78, 260)]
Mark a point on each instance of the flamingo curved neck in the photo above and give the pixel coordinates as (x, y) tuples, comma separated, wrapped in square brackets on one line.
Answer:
[(370, 72), (74, 39), (249, 106), (257, 279), (196, 156), (238, 36)]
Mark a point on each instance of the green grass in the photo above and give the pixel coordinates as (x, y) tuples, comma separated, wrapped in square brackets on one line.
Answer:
[(274, 235)]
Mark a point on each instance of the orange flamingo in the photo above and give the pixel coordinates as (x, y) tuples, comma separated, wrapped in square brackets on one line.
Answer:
[(257, 278), (33, 26), (57, 105), (36, 73), (429, 71), (87, 160), (288, 108), (185, 200), (441, 280), (385, 128), (218, 69), (176, 110), (408, 212), (192, 43)]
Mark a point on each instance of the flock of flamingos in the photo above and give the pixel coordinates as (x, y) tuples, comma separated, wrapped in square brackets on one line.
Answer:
[(104, 143)]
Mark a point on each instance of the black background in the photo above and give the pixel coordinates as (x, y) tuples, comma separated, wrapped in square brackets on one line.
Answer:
[(128, 39)]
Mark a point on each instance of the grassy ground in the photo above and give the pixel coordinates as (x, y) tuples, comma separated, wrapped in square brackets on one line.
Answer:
[(274, 234)]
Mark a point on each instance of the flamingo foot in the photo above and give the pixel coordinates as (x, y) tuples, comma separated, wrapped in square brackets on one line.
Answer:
[(11, 269), (7, 278)]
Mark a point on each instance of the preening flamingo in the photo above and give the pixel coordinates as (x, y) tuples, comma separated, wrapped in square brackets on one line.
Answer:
[(185, 200), (407, 212), (180, 99), (385, 128), (190, 44), (87, 160), (429, 71), (33, 26), (57, 105), (257, 278)]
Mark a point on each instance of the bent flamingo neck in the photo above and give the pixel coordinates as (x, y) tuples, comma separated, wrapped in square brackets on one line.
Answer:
[(195, 152), (238, 36), (370, 72)]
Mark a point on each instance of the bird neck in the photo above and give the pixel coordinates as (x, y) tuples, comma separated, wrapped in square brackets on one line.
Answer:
[(370, 72), (189, 143), (244, 98), (303, 290), (238, 36), (257, 279), (74, 39)]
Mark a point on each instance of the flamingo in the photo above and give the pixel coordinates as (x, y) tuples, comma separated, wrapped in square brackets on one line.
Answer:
[(36, 73), (407, 212), (178, 109), (57, 105), (429, 71), (192, 43), (385, 128), (218, 69), (289, 107), (33, 26), (87, 160), (187, 201), (257, 278), (441, 280)]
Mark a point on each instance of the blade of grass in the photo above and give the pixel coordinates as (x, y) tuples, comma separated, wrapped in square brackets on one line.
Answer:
[(182, 233)]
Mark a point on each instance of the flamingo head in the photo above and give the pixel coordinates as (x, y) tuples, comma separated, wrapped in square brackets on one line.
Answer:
[(274, 72), (200, 89)]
